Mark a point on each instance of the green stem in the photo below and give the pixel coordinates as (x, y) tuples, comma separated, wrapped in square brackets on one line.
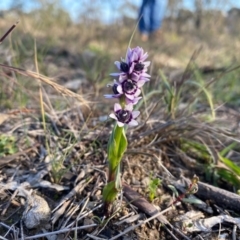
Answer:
[(117, 145)]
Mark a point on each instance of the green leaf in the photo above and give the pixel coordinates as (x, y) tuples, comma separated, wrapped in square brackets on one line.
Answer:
[(208, 96), (117, 145), (228, 148), (235, 168), (153, 186), (197, 149), (229, 177), (110, 192), (166, 83), (118, 183), (122, 143), (192, 200), (112, 153), (111, 146), (174, 190)]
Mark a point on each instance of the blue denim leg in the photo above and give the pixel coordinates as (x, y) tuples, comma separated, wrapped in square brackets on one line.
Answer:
[(144, 13), (151, 15)]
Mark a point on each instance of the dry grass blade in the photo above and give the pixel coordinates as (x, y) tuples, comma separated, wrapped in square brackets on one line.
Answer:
[(64, 91), (187, 71)]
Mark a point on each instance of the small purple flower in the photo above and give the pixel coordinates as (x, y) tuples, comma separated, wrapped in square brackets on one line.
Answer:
[(124, 116), (136, 55), (136, 58), (130, 88), (137, 77), (134, 66), (114, 87), (139, 67)]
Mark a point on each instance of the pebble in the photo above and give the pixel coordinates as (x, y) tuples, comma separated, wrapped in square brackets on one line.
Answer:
[(86, 222), (134, 181), (75, 84), (37, 212), (146, 181)]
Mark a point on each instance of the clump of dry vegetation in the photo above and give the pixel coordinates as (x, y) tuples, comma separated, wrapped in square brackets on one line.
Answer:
[(54, 130)]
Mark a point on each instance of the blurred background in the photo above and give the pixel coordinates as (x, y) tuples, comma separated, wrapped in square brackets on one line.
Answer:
[(109, 11), (77, 42)]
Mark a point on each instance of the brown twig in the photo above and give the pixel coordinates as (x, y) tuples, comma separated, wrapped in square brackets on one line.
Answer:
[(140, 202), (8, 32), (220, 197)]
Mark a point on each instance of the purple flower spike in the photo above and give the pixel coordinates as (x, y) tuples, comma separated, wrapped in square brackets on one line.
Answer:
[(132, 76), (125, 116)]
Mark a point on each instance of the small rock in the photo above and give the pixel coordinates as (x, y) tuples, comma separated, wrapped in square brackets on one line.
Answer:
[(86, 222), (98, 193), (75, 84), (125, 212), (135, 181), (37, 212), (146, 181)]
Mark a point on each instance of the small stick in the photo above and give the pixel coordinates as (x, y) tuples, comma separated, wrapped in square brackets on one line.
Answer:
[(140, 202), (8, 32)]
